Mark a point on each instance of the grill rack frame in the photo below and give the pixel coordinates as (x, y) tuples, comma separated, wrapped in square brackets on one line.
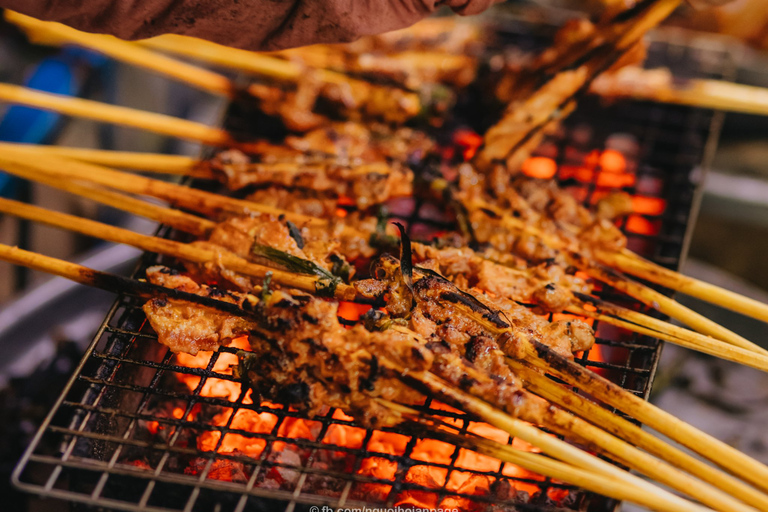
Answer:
[(119, 334)]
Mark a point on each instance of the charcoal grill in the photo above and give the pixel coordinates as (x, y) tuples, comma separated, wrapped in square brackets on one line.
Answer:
[(127, 385)]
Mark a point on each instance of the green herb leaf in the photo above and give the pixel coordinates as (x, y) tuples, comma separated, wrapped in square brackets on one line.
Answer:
[(326, 283)]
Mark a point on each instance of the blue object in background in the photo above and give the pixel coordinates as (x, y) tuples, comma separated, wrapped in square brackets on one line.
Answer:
[(60, 75)]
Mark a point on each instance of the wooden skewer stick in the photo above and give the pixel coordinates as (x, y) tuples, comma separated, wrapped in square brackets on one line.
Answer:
[(537, 463), (660, 85), (150, 162), (242, 60), (727, 457), (109, 282), (670, 307), (649, 326), (631, 263), (177, 219), (186, 166), (168, 247), (568, 425), (594, 413), (43, 32), (207, 203), (644, 294), (518, 428), (149, 121), (545, 466)]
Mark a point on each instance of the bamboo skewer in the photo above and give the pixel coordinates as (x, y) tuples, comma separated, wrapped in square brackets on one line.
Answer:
[(387, 103), (580, 431), (108, 282), (42, 32), (198, 226), (623, 452), (212, 205), (727, 457), (168, 247), (242, 60), (649, 326), (643, 293), (177, 219), (594, 413), (87, 276), (149, 121), (151, 162), (545, 466), (660, 86), (631, 263), (143, 54), (671, 307)]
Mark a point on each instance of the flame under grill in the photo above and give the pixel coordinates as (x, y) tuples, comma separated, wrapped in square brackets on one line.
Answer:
[(133, 423)]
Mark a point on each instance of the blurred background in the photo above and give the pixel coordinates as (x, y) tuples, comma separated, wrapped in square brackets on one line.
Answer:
[(46, 324)]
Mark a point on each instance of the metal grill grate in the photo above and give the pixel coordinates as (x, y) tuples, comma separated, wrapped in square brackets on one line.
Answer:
[(127, 427)]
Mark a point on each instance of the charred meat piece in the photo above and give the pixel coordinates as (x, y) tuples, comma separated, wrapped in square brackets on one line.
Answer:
[(301, 354), (186, 327), (547, 285), (437, 309), (366, 184), (275, 242)]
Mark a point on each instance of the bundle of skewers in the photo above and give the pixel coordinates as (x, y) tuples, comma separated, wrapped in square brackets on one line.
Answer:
[(461, 315)]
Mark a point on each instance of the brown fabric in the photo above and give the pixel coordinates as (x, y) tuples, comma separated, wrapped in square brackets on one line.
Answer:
[(248, 24)]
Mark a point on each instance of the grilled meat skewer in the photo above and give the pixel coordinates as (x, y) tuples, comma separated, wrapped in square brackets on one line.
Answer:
[(306, 358), (325, 356), (431, 305)]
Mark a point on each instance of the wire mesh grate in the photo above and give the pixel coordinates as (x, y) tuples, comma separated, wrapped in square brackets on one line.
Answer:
[(139, 430)]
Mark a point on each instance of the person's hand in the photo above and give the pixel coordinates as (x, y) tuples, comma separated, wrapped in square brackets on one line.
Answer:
[(248, 24)]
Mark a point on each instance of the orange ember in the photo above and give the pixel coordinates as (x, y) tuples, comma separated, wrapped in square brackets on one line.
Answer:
[(607, 169), (352, 310), (612, 161), (539, 167), (469, 141), (641, 225), (648, 205)]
